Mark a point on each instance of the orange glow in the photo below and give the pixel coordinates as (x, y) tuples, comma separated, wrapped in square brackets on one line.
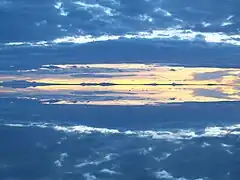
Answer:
[(135, 84)]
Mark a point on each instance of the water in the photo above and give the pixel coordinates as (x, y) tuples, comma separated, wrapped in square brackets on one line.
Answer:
[(117, 89)]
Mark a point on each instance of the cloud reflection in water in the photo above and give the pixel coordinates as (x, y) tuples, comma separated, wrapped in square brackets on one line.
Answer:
[(122, 84)]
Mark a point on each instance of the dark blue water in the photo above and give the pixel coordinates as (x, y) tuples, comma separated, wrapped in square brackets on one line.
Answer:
[(52, 127)]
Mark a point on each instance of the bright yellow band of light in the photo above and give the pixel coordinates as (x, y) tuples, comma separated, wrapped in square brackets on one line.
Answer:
[(131, 84)]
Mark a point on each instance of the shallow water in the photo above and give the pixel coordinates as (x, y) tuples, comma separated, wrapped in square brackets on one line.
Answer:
[(117, 89)]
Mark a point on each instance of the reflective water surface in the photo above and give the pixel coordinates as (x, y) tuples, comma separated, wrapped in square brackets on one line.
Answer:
[(123, 84)]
